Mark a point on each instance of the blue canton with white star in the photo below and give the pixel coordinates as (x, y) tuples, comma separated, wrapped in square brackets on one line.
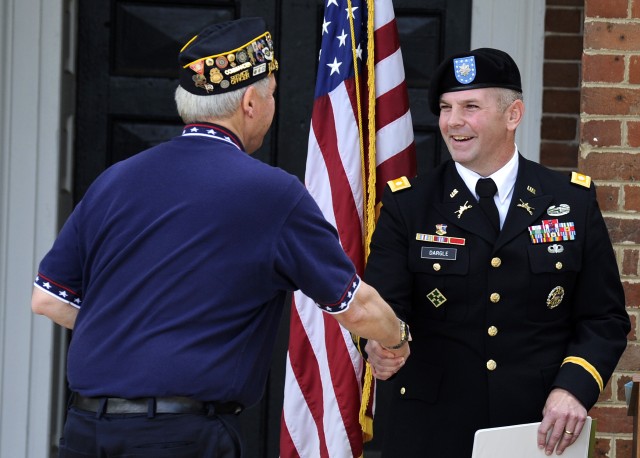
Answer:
[(336, 58)]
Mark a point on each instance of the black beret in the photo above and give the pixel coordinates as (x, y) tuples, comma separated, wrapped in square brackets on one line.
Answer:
[(480, 68), (227, 56)]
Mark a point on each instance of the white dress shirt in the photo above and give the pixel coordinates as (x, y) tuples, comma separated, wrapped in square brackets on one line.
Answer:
[(505, 179)]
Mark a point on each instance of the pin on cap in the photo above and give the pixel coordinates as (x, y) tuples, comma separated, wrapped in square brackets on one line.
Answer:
[(480, 68), (227, 56)]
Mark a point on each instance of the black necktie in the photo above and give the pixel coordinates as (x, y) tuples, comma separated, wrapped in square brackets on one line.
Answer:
[(486, 189)]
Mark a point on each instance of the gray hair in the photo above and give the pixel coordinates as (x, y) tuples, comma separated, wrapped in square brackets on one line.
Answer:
[(506, 97), (193, 108)]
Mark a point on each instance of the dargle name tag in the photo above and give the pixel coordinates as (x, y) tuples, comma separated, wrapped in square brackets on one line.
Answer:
[(446, 254)]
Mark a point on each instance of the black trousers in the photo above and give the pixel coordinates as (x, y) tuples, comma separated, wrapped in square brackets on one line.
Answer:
[(87, 434)]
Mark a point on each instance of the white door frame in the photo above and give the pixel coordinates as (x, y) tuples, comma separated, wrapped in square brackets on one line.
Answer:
[(37, 47), (32, 38), (517, 27)]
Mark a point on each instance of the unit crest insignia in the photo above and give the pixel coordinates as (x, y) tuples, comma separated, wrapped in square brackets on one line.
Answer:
[(436, 298)]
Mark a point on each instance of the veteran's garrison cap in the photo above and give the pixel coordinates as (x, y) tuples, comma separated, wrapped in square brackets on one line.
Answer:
[(480, 68), (227, 56)]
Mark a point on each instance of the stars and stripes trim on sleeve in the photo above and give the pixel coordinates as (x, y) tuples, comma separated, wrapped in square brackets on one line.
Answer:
[(587, 366), (58, 291), (343, 304)]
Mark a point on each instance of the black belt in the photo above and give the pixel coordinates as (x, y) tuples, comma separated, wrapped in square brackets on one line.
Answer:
[(175, 404)]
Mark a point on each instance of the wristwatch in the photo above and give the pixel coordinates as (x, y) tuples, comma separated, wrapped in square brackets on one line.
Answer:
[(404, 335)]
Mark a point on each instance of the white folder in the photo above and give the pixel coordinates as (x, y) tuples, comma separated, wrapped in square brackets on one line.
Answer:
[(520, 441)]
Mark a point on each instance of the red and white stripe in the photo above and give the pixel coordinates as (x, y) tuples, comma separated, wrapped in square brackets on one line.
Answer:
[(324, 369)]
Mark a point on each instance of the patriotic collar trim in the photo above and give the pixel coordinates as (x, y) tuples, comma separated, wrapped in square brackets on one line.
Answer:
[(58, 291), (212, 131)]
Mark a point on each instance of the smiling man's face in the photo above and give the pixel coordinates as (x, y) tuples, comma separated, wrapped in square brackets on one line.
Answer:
[(477, 130)]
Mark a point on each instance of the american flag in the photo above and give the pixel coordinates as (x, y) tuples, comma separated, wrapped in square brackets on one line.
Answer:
[(324, 371)]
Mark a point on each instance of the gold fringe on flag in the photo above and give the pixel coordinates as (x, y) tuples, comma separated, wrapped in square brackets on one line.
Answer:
[(368, 164), (370, 219)]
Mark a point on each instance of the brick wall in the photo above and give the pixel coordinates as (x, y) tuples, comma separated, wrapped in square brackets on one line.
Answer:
[(609, 151), (561, 99)]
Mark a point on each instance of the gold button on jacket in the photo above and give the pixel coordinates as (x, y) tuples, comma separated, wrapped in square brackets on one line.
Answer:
[(510, 374)]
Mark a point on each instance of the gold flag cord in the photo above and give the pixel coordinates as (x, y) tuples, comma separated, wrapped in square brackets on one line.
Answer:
[(369, 218), (368, 166)]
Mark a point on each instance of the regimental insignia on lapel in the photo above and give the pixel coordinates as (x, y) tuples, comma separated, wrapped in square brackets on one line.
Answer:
[(526, 206), (399, 184), (580, 179), (463, 208)]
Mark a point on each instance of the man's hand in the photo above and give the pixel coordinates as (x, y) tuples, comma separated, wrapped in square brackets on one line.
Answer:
[(564, 416), (385, 362)]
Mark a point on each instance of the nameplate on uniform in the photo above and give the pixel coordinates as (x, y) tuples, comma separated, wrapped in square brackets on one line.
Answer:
[(440, 239), (441, 253)]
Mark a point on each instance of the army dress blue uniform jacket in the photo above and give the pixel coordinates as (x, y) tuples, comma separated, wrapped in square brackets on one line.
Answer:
[(496, 325)]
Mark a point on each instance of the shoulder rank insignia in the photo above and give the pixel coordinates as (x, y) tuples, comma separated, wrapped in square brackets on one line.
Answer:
[(582, 180), (399, 184)]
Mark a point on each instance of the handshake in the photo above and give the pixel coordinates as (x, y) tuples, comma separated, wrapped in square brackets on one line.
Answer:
[(386, 361)]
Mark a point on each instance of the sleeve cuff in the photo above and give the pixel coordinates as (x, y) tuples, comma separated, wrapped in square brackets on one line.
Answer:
[(581, 379), (58, 291)]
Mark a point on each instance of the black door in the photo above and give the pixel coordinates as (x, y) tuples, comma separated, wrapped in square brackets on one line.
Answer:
[(127, 74)]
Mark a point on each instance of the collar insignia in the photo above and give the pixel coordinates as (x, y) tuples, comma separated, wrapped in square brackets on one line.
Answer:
[(463, 208), (526, 206)]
